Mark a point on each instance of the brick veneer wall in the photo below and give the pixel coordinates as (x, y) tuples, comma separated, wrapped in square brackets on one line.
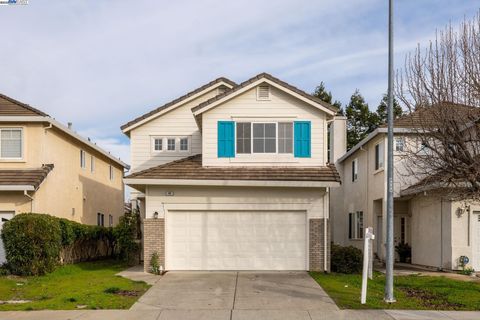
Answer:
[(153, 240), (316, 244)]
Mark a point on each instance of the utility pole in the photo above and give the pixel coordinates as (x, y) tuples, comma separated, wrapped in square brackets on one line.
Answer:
[(389, 298)]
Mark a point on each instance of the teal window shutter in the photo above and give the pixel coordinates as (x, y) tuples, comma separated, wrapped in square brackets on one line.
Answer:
[(302, 136), (226, 139)]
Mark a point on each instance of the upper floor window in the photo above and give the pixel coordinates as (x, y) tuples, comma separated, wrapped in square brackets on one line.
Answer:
[(157, 144), (285, 137), (399, 144), (379, 156), (264, 137), (110, 220), (83, 161), (354, 170), (244, 137), (100, 219), (111, 173), (183, 144), (171, 144), (92, 164), (11, 143)]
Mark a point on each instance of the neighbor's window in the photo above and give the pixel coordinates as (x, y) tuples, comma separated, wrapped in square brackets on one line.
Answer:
[(354, 170), (183, 144), (110, 220), (82, 159), (11, 143), (92, 164), (264, 138), (100, 219), (285, 137), (355, 225), (111, 172), (157, 144), (379, 156), (171, 144), (244, 137), (399, 144)]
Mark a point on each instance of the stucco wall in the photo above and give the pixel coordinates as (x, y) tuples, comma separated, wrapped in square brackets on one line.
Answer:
[(246, 108), (69, 191)]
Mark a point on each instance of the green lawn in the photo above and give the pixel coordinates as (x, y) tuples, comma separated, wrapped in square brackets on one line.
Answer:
[(411, 292), (89, 284)]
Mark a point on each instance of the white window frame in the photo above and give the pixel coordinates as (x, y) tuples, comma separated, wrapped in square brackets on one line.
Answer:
[(293, 138), (83, 159), (111, 173), (92, 163), (22, 144), (153, 144), (180, 144), (276, 136), (174, 144), (236, 135), (355, 170), (397, 140), (381, 156)]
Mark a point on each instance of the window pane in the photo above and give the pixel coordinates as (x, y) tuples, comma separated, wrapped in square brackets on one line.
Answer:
[(243, 137), (158, 144), (270, 130), (270, 145), (11, 143), (258, 145), (184, 144), (171, 144), (258, 131)]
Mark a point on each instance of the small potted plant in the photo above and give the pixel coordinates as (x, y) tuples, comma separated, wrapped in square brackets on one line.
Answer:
[(404, 252)]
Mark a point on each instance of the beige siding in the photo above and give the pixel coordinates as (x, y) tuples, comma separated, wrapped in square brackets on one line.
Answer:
[(179, 122), (69, 191), (281, 107)]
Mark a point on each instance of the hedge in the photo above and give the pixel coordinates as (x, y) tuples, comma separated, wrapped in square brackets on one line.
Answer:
[(346, 259), (36, 243)]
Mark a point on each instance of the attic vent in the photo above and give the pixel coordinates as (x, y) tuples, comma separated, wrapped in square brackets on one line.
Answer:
[(263, 92)]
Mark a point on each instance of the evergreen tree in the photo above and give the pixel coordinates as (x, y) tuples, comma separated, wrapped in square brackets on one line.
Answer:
[(360, 120), (382, 110), (326, 96)]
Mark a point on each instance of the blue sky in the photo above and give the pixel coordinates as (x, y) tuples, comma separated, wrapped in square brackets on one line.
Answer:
[(99, 64)]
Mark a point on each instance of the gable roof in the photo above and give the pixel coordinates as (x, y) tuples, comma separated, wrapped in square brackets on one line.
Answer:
[(12, 107), (204, 106), (191, 168), (24, 179), (131, 124)]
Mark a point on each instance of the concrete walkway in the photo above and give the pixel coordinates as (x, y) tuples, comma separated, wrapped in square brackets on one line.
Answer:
[(233, 295)]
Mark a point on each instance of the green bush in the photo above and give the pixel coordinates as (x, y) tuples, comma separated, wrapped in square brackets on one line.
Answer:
[(155, 263), (346, 259), (32, 243), (125, 235)]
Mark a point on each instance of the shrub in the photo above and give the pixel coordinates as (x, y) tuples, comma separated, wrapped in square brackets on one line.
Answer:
[(346, 259), (32, 243), (404, 251), (125, 235), (155, 263)]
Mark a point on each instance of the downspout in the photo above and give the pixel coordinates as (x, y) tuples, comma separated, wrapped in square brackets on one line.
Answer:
[(325, 229), (25, 193)]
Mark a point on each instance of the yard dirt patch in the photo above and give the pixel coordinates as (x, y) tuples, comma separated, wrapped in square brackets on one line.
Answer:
[(431, 300)]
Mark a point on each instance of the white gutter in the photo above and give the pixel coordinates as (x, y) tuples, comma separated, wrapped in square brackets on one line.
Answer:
[(25, 193), (19, 187), (233, 183)]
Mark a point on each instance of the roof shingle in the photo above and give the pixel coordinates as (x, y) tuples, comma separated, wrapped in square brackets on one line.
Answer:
[(191, 169), (29, 177), (12, 107)]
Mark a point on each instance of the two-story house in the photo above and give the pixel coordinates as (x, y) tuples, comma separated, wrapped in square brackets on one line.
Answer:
[(46, 167), (236, 177), (438, 228)]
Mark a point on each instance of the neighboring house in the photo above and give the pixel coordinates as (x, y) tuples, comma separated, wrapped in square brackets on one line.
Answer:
[(46, 167), (236, 177), (438, 229)]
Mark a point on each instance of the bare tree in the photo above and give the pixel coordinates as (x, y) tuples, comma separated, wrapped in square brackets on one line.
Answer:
[(440, 86)]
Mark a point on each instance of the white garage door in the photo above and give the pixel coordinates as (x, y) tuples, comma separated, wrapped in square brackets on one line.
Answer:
[(212, 240)]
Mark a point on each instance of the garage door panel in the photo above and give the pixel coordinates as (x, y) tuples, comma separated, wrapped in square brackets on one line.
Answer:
[(214, 240)]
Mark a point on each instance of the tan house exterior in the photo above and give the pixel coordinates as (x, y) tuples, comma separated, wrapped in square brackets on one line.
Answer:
[(216, 195), (46, 167), (438, 229)]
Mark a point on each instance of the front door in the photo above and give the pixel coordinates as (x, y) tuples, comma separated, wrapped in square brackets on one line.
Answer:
[(401, 226), (4, 217)]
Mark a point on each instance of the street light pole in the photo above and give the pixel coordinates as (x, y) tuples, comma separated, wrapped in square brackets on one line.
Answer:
[(389, 298)]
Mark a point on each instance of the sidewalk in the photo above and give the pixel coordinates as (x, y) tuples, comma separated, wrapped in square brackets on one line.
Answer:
[(239, 315)]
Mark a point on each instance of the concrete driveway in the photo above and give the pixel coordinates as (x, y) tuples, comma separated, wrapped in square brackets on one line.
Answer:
[(237, 295)]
